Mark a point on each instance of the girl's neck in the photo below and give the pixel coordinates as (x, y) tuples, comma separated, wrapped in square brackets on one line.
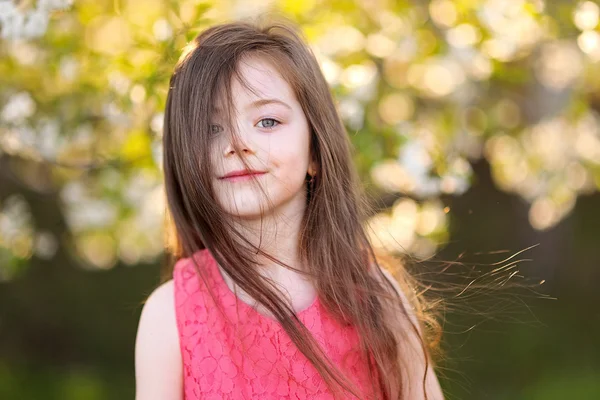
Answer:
[(277, 235)]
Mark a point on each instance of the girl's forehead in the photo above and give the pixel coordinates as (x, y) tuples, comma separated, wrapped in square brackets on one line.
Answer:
[(257, 83), (261, 81)]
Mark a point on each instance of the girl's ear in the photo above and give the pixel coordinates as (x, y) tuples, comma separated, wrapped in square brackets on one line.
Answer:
[(312, 168)]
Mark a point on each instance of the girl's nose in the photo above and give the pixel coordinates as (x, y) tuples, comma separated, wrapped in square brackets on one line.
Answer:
[(241, 142), (230, 150)]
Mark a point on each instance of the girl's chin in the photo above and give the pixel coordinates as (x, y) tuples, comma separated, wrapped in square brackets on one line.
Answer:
[(247, 211), (249, 205)]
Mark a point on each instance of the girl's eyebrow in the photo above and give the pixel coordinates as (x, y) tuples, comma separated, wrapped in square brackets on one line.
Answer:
[(264, 102)]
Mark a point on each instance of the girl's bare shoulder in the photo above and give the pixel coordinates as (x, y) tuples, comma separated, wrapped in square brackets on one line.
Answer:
[(158, 315), (157, 347), (161, 298)]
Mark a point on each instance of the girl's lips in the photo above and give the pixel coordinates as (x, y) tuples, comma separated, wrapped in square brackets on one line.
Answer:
[(241, 178)]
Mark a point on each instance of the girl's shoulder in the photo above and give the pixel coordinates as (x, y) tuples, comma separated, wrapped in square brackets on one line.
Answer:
[(157, 345), (158, 314), (161, 298)]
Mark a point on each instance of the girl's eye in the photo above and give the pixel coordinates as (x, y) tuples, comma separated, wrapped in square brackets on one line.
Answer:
[(268, 123), (214, 129)]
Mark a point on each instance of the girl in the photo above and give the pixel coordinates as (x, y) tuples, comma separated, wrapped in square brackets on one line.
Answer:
[(276, 292)]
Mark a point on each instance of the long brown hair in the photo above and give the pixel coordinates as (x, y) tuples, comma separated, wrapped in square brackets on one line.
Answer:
[(332, 241)]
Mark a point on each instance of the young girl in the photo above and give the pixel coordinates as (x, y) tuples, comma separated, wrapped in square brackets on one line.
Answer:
[(276, 291)]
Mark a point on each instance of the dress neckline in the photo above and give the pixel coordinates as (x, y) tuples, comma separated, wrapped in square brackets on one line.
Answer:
[(222, 285)]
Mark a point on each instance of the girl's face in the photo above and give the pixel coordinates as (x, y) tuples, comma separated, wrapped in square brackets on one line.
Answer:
[(273, 138)]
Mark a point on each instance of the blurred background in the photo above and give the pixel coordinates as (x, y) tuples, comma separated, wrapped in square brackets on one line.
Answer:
[(477, 129)]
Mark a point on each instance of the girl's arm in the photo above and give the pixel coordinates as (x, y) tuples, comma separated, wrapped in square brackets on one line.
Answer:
[(158, 364), (412, 353)]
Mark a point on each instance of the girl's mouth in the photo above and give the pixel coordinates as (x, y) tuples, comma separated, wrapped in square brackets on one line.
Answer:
[(240, 176)]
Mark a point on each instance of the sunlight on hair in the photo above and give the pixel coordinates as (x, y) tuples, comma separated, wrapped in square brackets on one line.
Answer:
[(187, 50)]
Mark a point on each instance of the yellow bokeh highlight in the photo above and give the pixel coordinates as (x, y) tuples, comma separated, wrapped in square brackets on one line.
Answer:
[(136, 146), (443, 12), (296, 7), (395, 70), (144, 14), (98, 249), (109, 35), (395, 108), (586, 15)]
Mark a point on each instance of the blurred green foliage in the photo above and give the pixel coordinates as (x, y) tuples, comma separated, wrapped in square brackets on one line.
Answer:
[(426, 89)]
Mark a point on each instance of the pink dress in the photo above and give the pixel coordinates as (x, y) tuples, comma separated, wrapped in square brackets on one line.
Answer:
[(248, 355)]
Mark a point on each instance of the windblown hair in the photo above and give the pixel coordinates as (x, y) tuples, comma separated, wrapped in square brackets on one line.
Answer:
[(333, 242)]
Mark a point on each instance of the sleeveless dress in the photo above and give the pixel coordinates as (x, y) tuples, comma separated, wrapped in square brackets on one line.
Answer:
[(242, 354)]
